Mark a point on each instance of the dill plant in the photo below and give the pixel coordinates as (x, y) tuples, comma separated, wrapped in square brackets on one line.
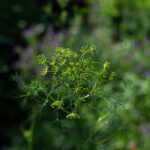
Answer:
[(75, 79), (71, 80)]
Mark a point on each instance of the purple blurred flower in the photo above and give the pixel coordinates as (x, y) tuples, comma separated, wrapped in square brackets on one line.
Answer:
[(15, 64), (145, 128), (137, 45), (28, 32), (146, 74), (56, 43), (29, 50)]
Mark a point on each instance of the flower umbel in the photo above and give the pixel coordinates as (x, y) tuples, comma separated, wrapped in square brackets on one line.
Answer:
[(75, 79)]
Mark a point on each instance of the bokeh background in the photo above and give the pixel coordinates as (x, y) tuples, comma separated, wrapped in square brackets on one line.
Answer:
[(120, 29)]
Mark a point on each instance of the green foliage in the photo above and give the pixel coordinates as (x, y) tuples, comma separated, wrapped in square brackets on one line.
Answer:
[(132, 16)]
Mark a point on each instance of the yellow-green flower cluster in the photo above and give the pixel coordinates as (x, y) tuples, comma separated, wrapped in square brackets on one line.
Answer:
[(74, 78), (57, 104), (73, 116)]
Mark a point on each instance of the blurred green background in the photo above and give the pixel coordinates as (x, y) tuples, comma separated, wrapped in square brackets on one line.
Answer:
[(120, 29)]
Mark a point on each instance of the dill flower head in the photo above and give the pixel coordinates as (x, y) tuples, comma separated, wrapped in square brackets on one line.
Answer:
[(73, 116), (73, 79), (57, 104)]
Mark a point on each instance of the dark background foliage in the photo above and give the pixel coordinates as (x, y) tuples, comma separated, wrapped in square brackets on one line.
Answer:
[(120, 29), (15, 16)]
